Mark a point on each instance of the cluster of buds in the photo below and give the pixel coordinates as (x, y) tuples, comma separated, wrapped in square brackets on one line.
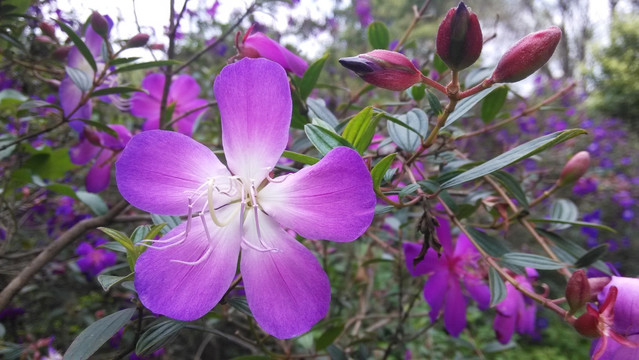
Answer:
[(459, 44)]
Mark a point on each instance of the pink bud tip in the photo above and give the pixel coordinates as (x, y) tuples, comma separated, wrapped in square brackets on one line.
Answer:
[(459, 38), (527, 55), (387, 69), (575, 168), (61, 53)]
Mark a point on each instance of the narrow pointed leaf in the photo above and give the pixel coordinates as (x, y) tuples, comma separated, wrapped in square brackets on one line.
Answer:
[(531, 260), (512, 186), (82, 47), (93, 201), (318, 108), (108, 281), (576, 223), (497, 287), (489, 244), (402, 136), (323, 139), (378, 171), (310, 77), (304, 159), (146, 65), (170, 221), (118, 236), (492, 104), (328, 337), (116, 90), (592, 256), (465, 105), (94, 336), (434, 103), (158, 335)]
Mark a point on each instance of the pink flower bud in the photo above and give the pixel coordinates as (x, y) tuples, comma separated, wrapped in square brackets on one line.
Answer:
[(386, 69), (43, 39), (47, 29), (61, 53), (138, 40), (575, 168), (527, 55), (577, 291), (459, 38), (157, 46), (99, 24)]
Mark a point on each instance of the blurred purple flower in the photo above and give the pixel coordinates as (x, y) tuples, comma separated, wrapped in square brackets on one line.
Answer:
[(157, 354), (585, 186), (213, 9), (183, 95), (6, 82), (516, 312), (11, 313), (628, 215), (592, 217), (443, 288), (256, 44), (92, 259), (363, 11)]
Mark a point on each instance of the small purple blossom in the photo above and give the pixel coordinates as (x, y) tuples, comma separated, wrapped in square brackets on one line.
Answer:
[(516, 312), (585, 185), (363, 11), (242, 209), (92, 259)]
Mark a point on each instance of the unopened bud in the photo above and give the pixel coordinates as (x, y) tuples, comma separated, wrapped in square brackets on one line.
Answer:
[(597, 284), (527, 55), (577, 291), (43, 39), (99, 24), (588, 323), (575, 168), (157, 46), (459, 38), (386, 69), (138, 40), (47, 29), (61, 53), (92, 136)]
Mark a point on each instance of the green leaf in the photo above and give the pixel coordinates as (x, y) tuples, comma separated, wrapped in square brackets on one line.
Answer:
[(378, 171), (92, 338), (383, 209), (116, 90), (93, 201), (477, 75), (417, 92), (310, 77), (439, 65), (336, 353), (146, 65), (406, 139), (240, 304), (79, 44), (100, 126), (592, 256), (493, 103), (113, 246), (81, 79), (577, 223), (6, 139), (159, 334), (108, 281), (50, 164), (467, 104), (497, 287), (531, 260), (328, 337), (120, 61), (512, 186), (378, 35), (408, 189), (304, 159), (514, 155), (434, 102), (62, 189), (32, 104), (489, 244), (120, 237), (170, 221), (360, 129), (317, 108), (323, 139)]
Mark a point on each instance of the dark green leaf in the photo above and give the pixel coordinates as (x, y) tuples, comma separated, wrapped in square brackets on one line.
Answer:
[(408, 189), (378, 35), (328, 337), (113, 246), (324, 140), (378, 171), (11, 40), (465, 105), (434, 102), (81, 79), (32, 104), (304, 159), (116, 90), (531, 260), (79, 44), (489, 244), (592, 256), (170, 221), (50, 164), (565, 210), (512, 156), (120, 237), (417, 92), (577, 223), (62, 189), (405, 138), (310, 77), (360, 129), (512, 186), (383, 209), (240, 304), (92, 338), (94, 201), (108, 281), (477, 75), (317, 108), (120, 61), (493, 103), (6, 139), (336, 353), (100, 126), (146, 65), (497, 287), (160, 333)]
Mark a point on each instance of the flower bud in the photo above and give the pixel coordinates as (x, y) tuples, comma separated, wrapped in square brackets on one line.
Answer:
[(575, 168), (386, 69), (527, 55), (459, 38), (138, 40), (47, 29), (577, 291), (43, 39), (99, 24), (61, 53), (588, 323), (92, 136), (157, 46)]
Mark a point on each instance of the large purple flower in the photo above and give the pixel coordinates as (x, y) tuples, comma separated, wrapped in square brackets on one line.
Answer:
[(455, 266), (183, 94), (516, 312), (242, 207)]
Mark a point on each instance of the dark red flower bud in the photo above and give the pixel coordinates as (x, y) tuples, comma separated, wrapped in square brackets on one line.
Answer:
[(47, 29), (386, 69), (528, 55), (575, 168), (61, 53), (577, 291), (138, 40), (459, 38), (588, 323), (99, 24)]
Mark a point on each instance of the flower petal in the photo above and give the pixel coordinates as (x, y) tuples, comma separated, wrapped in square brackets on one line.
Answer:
[(145, 106), (255, 105), (70, 96), (154, 84), (184, 88), (82, 152), (159, 169), (455, 309), (287, 290), (186, 124), (626, 307), (435, 292), (272, 50), (444, 235), (99, 175), (182, 291), (429, 264), (504, 327), (478, 291), (338, 190)]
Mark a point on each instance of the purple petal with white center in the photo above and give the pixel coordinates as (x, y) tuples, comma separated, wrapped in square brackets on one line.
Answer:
[(429, 264), (158, 171), (338, 190), (99, 175), (186, 291), (287, 290), (454, 309), (183, 89), (435, 292), (272, 50), (82, 152), (254, 99)]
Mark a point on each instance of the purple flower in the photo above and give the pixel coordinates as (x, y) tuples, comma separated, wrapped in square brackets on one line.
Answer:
[(183, 94), (104, 149), (516, 312), (585, 186), (446, 273), (242, 208), (363, 11), (257, 45), (213, 9), (93, 259)]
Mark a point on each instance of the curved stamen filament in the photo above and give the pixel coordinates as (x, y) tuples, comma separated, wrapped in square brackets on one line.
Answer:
[(212, 207), (209, 247)]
